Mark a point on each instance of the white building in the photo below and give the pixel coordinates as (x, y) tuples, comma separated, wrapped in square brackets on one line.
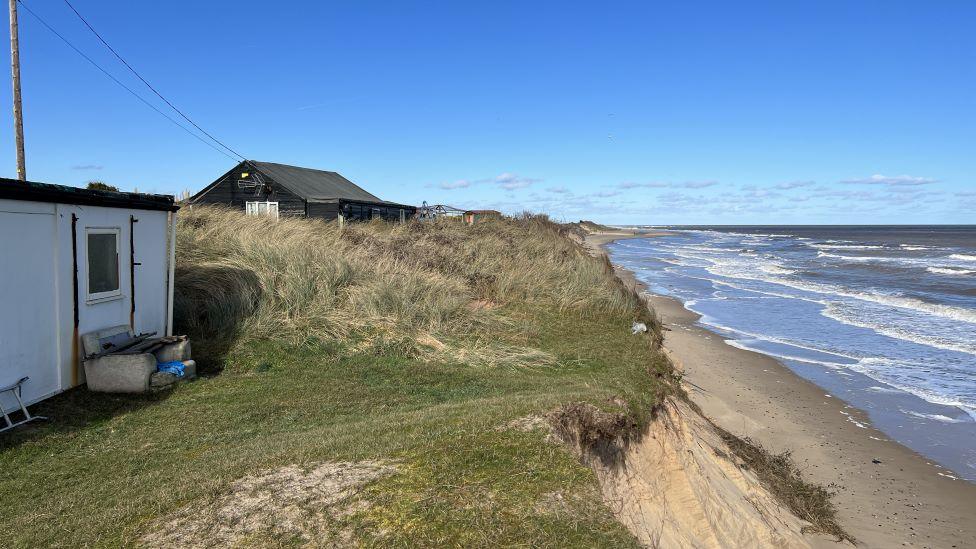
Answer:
[(75, 261)]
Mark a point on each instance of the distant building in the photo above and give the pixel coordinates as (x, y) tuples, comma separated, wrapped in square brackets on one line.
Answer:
[(427, 212), (77, 261), (475, 216), (266, 188)]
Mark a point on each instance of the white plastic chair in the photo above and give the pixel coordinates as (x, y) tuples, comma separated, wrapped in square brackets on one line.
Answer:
[(15, 389)]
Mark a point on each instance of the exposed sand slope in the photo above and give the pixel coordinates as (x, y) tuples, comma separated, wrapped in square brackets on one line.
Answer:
[(679, 488), (900, 502)]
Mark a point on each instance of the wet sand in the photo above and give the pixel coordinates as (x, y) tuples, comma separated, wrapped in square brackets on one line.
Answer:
[(900, 502)]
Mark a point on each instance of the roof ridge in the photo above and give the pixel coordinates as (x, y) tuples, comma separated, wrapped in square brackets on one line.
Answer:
[(294, 166)]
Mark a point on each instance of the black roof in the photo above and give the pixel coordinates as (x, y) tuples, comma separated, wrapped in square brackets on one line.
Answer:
[(312, 184), (12, 189)]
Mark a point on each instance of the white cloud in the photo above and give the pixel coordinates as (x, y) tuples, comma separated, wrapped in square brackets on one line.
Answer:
[(793, 185), (558, 190), (698, 184), (506, 181), (459, 184), (891, 181), (651, 185), (667, 185), (511, 181)]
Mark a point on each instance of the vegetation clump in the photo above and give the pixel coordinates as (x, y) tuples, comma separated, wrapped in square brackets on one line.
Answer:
[(779, 474), (101, 186)]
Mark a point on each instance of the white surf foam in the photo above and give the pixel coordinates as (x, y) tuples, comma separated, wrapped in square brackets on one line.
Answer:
[(963, 257), (782, 356), (934, 417), (846, 246), (880, 389), (879, 369), (776, 269), (950, 271)]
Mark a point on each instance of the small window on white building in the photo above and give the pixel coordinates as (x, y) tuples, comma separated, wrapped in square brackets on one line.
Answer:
[(269, 209), (102, 247)]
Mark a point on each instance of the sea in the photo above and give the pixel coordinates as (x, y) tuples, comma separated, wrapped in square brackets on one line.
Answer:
[(883, 317)]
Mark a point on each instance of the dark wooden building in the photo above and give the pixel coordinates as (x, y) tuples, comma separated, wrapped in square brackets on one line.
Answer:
[(266, 188)]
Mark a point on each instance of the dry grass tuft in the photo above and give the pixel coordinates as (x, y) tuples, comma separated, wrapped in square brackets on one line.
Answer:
[(389, 286)]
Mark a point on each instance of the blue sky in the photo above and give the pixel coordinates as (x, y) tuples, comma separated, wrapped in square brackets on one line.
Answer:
[(657, 113)]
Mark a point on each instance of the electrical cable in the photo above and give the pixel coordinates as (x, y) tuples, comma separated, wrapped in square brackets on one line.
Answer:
[(118, 82), (146, 82)]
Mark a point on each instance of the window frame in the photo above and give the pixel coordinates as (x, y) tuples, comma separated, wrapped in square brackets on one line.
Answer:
[(257, 211), (99, 297)]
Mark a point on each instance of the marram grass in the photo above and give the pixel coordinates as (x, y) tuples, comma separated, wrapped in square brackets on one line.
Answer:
[(295, 279)]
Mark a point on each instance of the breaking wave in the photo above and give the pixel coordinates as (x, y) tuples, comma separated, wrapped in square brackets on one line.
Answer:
[(950, 271)]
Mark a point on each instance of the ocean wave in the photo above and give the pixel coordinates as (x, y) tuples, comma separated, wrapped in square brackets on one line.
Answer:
[(710, 249), (847, 246), (950, 271), (709, 321), (776, 269), (915, 248), (745, 347), (880, 369), (885, 327), (907, 261), (850, 257), (883, 370), (963, 257), (963, 265), (935, 417), (735, 268), (901, 302), (880, 389), (769, 293)]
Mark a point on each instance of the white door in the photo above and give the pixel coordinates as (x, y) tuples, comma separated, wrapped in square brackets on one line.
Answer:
[(28, 315)]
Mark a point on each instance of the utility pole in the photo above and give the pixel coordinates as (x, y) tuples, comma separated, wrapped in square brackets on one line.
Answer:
[(15, 78)]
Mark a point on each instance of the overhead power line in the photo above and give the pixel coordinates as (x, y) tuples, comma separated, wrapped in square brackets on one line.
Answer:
[(146, 82), (118, 82)]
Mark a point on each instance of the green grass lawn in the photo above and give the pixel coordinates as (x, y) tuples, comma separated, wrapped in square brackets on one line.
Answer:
[(107, 466)]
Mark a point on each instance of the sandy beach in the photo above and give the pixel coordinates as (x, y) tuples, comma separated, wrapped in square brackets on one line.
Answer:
[(887, 494)]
